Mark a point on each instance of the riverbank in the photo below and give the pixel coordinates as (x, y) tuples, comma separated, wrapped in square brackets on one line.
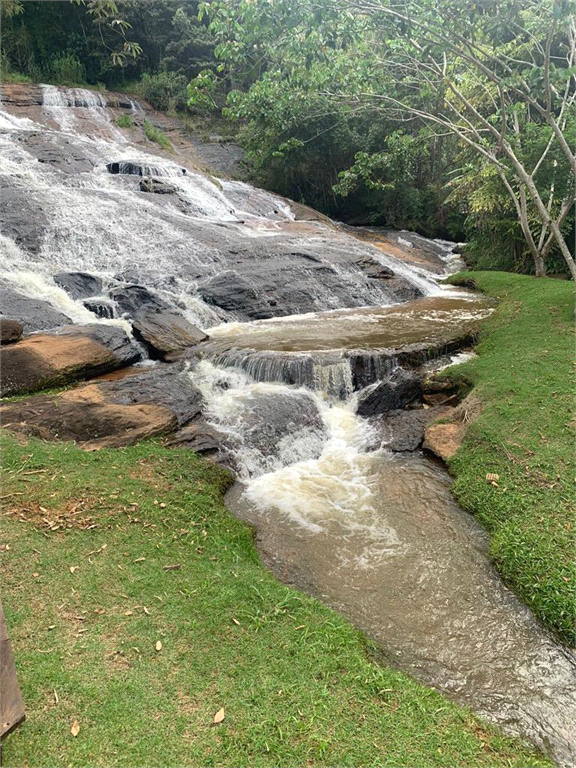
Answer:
[(108, 553), (523, 380)]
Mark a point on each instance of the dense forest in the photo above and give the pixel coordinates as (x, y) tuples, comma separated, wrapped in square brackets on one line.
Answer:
[(453, 119)]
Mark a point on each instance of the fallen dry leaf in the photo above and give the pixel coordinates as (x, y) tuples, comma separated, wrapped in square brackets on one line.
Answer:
[(158, 645), (236, 621), (75, 730), (492, 477), (73, 568), (219, 716), (171, 567), (127, 613)]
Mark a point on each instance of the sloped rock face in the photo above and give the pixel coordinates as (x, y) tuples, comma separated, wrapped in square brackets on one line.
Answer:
[(22, 220), (205, 439), (109, 413), (79, 285), (33, 314), (232, 292), (79, 352)]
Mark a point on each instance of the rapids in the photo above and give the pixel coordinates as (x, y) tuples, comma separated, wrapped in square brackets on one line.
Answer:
[(291, 311)]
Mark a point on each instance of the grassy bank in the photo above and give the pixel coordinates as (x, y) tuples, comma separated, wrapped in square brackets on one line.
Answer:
[(137, 607), (524, 379)]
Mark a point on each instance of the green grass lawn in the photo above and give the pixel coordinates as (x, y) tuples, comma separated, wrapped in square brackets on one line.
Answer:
[(524, 378), (137, 606)]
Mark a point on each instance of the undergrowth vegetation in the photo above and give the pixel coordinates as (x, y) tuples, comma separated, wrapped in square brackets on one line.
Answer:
[(155, 134), (524, 379), (137, 608)]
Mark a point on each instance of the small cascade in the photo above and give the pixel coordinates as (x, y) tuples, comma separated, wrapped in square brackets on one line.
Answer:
[(65, 105)]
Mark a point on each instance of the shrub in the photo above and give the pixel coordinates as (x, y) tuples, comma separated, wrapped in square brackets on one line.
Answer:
[(155, 134), (124, 121), (165, 91)]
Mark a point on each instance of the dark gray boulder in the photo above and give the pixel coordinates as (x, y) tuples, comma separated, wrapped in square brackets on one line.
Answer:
[(272, 422), (232, 292), (79, 285), (34, 314), (404, 430), (165, 332), (10, 330), (133, 298), (395, 392)]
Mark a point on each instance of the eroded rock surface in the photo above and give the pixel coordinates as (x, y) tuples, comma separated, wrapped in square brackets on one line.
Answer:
[(78, 352), (109, 413)]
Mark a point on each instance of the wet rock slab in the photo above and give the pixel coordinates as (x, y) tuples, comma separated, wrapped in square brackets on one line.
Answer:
[(33, 314), (79, 285), (79, 352)]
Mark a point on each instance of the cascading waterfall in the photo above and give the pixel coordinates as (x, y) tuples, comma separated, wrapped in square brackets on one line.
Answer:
[(374, 534)]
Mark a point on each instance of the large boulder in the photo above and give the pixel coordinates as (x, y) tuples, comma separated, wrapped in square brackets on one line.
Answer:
[(165, 332), (34, 314), (276, 426), (79, 285), (53, 359), (109, 413), (10, 330), (395, 392)]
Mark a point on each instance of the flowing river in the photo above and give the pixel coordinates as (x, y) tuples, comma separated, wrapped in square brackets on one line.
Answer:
[(296, 328)]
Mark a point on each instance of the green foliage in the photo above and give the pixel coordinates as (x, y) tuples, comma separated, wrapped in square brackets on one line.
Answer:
[(66, 69), (164, 90), (124, 121), (524, 379), (467, 72), (155, 134), (87, 597), (116, 44)]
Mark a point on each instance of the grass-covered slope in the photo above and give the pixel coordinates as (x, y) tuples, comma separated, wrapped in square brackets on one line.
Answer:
[(108, 554), (524, 379)]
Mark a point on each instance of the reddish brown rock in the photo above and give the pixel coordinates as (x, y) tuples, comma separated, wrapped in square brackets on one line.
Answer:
[(444, 439), (107, 414), (53, 359)]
